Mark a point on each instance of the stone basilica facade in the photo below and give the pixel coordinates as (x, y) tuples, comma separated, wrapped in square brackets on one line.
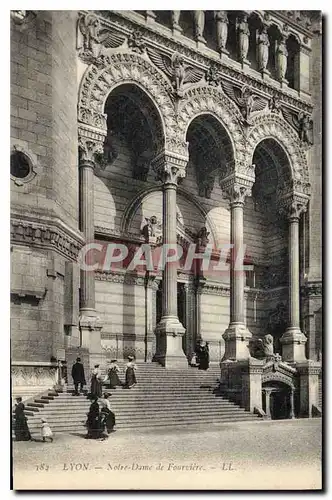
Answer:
[(135, 127)]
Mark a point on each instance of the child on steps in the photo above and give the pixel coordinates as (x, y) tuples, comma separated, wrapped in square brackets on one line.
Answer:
[(46, 430)]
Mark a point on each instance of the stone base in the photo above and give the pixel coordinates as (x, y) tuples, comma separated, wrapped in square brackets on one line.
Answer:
[(236, 338), (293, 345), (265, 73), (309, 387), (169, 352)]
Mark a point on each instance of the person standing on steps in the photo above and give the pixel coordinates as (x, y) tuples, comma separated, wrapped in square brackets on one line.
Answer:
[(96, 382), (204, 359), (93, 422), (113, 376), (130, 373), (78, 376), (107, 416), (21, 428)]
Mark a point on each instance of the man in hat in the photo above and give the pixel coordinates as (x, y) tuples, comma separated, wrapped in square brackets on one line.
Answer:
[(78, 376)]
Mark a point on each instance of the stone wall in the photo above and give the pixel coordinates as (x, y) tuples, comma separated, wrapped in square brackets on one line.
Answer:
[(44, 126)]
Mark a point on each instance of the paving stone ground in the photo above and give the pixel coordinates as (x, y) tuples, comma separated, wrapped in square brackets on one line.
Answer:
[(263, 455)]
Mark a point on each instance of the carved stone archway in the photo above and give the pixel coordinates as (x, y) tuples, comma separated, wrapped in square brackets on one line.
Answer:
[(269, 125), (121, 68), (210, 100)]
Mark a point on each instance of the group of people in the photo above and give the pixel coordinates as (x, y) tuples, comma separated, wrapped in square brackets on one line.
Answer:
[(201, 356), (112, 378), (101, 420)]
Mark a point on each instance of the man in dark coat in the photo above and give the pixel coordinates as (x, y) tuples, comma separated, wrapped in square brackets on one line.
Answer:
[(78, 376)]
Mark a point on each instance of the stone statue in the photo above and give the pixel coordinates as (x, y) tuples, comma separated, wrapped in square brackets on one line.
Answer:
[(263, 44), (150, 229), (89, 26), (305, 128), (222, 30), (243, 38), (203, 237), (199, 21), (175, 18), (281, 59)]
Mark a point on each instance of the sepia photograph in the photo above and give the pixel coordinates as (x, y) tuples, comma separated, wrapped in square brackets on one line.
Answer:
[(166, 249)]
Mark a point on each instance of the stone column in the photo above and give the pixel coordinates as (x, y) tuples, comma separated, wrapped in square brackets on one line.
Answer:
[(293, 340), (267, 393), (170, 168), (237, 335), (222, 31), (90, 324), (292, 413), (190, 298)]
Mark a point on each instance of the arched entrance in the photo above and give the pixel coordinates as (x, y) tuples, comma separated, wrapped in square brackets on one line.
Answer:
[(278, 400)]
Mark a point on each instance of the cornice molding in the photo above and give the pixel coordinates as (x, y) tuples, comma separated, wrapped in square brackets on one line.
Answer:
[(48, 233)]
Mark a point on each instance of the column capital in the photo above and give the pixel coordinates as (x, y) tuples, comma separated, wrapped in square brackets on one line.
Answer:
[(293, 206), (90, 152), (235, 189), (169, 167)]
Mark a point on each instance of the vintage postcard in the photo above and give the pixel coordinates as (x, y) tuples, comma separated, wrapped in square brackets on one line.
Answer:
[(166, 256)]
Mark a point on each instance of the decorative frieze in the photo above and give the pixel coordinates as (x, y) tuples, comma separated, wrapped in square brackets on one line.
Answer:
[(312, 289), (48, 235), (120, 23)]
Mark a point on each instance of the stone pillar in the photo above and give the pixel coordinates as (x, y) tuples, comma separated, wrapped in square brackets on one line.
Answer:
[(221, 31), (175, 18), (293, 340), (90, 324), (267, 394), (309, 386), (292, 412), (170, 168), (199, 22), (237, 335), (251, 370), (302, 68), (191, 310), (281, 61), (243, 34)]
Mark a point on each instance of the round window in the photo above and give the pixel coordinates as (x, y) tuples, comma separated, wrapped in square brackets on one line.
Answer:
[(20, 165)]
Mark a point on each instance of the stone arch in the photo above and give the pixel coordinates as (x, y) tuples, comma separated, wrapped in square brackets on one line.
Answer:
[(278, 377), (131, 209), (124, 68), (209, 100), (273, 126)]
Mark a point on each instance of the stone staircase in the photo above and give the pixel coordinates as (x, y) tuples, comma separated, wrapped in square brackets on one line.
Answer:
[(161, 398)]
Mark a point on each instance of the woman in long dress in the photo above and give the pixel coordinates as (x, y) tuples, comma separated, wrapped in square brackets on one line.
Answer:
[(93, 422), (130, 373), (204, 358), (96, 383), (107, 416), (113, 376), (21, 428)]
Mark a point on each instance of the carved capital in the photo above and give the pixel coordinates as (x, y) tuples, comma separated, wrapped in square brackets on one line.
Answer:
[(293, 207), (90, 152), (170, 168), (235, 189)]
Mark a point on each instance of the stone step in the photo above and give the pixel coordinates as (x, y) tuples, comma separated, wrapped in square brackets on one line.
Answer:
[(149, 422)]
